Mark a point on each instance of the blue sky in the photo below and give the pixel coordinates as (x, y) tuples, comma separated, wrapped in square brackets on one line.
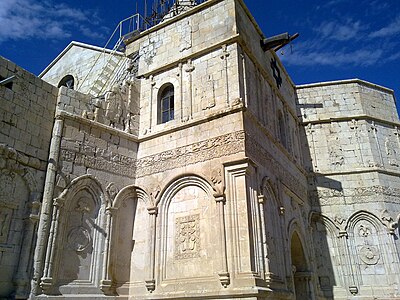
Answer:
[(339, 39)]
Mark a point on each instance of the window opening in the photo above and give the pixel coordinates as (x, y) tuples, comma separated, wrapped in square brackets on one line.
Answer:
[(67, 81), (167, 104)]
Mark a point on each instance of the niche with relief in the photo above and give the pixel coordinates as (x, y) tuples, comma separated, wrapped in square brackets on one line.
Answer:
[(190, 245), (369, 241), (81, 236), (14, 195)]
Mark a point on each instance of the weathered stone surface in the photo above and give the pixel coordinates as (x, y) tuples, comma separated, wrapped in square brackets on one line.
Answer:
[(254, 188)]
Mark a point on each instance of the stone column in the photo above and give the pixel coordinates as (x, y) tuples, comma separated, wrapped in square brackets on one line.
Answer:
[(188, 106), (351, 281), (224, 276), (261, 202), (47, 280), (106, 283), (151, 282), (152, 85), (224, 56), (45, 214), (23, 273)]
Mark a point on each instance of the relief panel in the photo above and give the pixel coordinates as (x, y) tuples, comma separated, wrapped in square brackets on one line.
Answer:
[(192, 249)]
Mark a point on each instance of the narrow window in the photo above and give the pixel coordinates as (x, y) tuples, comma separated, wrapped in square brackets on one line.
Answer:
[(166, 104), (67, 81)]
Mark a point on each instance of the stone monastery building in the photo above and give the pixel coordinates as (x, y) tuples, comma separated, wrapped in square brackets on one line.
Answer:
[(185, 164)]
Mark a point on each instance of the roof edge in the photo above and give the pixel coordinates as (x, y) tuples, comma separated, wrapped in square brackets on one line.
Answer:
[(77, 44), (346, 81)]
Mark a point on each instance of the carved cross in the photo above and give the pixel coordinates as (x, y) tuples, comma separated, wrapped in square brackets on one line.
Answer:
[(225, 52)]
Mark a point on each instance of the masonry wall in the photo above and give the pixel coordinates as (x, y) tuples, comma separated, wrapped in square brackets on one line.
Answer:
[(352, 135), (26, 115)]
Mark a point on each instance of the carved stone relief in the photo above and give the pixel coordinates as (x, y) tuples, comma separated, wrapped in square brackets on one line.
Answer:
[(369, 255), (186, 36), (336, 155), (93, 157), (5, 221), (187, 238), (205, 92), (392, 151), (8, 203), (78, 239), (217, 181), (148, 52), (201, 151), (112, 191), (366, 239)]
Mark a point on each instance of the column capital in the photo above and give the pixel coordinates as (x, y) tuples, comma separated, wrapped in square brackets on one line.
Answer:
[(152, 210)]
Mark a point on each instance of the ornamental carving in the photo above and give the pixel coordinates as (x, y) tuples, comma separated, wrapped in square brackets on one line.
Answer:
[(96, 158), (187, 237), (217, 181), (369, 255), (364, 230), (336, 155), (112, 191)]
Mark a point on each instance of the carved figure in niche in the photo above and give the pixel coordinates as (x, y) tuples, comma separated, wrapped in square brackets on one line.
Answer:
[(336, 155), (5, 218), (187, 241), (115, 108)]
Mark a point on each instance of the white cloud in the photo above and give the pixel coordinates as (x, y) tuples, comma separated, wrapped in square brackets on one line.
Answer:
[(28, 19), (392, 29), (336, 30), (336, 58)]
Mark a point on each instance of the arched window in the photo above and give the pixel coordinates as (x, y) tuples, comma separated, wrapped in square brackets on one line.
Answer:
[(166, 104), (67, 81)]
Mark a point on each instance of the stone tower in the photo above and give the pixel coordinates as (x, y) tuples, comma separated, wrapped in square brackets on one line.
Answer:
[(189, 166)]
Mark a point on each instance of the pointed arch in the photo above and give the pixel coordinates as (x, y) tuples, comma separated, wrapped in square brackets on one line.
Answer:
[(328, 222), (131, 191), (79, 230), (85, 182), (363, 215), (131, 234)]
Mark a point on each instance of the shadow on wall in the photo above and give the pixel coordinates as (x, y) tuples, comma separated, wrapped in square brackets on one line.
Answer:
[(320, 271)]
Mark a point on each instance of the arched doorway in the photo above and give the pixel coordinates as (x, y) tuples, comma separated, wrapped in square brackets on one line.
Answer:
[(301, 273)]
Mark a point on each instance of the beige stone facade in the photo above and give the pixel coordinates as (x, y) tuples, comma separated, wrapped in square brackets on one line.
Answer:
[(196, 170)]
